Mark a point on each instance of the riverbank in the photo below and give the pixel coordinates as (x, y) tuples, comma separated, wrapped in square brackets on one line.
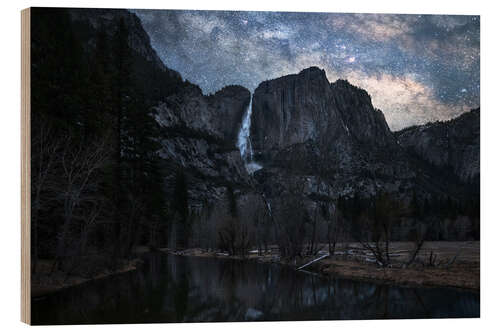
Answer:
[(49, 280), (439, 264)]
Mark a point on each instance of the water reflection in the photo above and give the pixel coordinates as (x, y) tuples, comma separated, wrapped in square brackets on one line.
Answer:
[(182, 289)]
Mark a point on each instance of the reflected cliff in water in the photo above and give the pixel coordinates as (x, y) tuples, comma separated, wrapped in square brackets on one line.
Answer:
[(185, 289)]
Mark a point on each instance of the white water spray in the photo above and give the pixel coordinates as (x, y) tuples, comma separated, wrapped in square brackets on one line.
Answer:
[(244, 143)]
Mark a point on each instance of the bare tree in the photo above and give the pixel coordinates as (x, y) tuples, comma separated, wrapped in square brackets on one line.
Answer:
[(43, 162), (262, 225), (334, 228), (314, 223), (291, 226), (385, 212), (234, 236), (77, 187), (90, 221), (418, 242)]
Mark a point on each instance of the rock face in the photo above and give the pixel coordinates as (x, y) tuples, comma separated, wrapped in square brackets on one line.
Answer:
[(451, 145), (293, 109), (305, 106), (217, 116), (337, 120), (198, 132), (309, 131), (108, 20), (323, 140), (365, 124), (318, 139), (200, 137)]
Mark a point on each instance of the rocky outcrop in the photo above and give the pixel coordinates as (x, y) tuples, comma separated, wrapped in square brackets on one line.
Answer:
[(293, 109), (198, 132), (216, 116), (450, 145), (314, 138), (229, 105), (323, 133), (199, 135), (305, 107), (364, 123), (108, 20), (322, 141)]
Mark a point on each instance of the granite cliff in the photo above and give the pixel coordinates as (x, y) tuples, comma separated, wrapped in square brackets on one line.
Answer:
[(447, 145), (313, 138), (328, 133)]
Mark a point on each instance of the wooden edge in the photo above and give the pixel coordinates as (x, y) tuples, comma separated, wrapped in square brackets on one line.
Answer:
[(25, 166)]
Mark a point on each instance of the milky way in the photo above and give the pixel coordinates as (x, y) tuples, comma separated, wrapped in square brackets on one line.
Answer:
[(417, 68)]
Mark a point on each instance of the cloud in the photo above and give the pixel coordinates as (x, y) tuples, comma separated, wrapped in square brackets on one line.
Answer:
[(404, 100), (375, 27)]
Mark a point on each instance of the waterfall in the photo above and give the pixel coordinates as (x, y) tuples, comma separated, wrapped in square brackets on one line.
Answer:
[(244, 143)]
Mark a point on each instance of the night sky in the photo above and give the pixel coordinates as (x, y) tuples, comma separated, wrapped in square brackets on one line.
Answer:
[(417, 68)]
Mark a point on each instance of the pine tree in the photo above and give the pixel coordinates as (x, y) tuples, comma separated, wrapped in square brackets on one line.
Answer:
[(120, 96), (180, 205)]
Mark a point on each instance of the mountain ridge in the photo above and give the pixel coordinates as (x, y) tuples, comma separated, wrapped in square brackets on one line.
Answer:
[(318, 139)]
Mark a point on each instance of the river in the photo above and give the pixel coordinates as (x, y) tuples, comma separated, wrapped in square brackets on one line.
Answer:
[(188, 289)]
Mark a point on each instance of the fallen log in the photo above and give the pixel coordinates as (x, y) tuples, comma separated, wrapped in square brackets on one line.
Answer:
[(313, 261)]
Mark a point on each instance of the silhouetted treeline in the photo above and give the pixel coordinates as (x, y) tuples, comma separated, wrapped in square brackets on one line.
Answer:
[(97, 182), (437, 217)]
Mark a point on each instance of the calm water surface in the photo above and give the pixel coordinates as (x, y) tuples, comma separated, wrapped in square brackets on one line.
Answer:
[(187, 289)]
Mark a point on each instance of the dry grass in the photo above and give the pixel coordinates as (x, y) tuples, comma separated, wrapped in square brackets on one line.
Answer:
[(48, 280), (456, 264)]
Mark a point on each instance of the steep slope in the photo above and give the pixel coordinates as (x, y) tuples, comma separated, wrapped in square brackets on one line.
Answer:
[(94, 19), (449, 146), (365, 123), (315, 139), (198, 132), (293, 109), (199, 135), (306, 128), (305, 106), (323, 141)]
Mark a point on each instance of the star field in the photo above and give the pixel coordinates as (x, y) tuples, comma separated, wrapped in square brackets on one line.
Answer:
[(417, 68)]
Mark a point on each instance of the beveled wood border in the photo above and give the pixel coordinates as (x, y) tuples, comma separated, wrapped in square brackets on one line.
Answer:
[(25, 166)]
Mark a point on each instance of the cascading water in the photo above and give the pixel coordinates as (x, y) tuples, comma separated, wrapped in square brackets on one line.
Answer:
[(244, 143)]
